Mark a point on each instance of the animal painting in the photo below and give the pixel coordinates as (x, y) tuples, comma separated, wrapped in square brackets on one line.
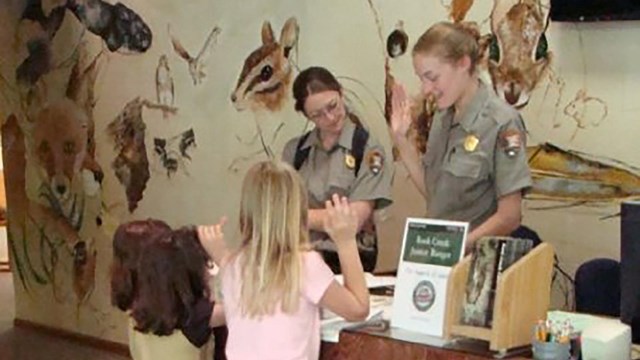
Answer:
[(131, 164), (265, 78), (60, 140), (120, 27), (397, 41), (169, 156), (61, 212), (165, 92), (570, 176), (518, 49), (38, 30), (198, 62), (586, 110)]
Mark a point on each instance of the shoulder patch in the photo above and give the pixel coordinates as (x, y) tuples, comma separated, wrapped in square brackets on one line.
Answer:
[(375, 161), (511, 141)]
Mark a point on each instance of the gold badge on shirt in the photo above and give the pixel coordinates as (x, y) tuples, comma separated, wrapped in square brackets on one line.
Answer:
[(470, 143), (349, 161)]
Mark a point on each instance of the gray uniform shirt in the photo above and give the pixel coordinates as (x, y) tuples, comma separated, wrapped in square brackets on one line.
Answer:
[(328, 172), (470, 164)]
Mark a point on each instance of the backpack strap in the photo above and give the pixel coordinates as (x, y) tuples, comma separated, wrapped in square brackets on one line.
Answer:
[(358, 143), (301, 154)]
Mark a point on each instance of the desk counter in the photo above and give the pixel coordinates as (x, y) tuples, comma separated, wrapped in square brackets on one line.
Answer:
[(370, 344)]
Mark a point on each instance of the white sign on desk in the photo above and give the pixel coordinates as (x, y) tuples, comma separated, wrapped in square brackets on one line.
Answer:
[(430, 248)]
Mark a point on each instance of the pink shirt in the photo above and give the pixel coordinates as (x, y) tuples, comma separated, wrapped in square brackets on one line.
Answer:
[(279, 336)]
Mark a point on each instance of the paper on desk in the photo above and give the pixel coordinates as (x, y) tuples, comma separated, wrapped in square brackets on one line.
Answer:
[(578, 321), (373, 281), (331, 324)]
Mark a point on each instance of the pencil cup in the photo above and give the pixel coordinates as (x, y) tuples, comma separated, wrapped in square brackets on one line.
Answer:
[(550, 351)]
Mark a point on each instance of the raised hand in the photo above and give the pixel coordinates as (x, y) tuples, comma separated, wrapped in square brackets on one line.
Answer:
[(212, 239), (400, 111), (341, 222)]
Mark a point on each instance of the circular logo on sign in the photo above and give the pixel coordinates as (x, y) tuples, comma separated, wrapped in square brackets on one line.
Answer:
[(424, 295)]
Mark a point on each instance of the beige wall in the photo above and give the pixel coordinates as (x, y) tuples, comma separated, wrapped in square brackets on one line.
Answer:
[(605, 66), (341, 35)]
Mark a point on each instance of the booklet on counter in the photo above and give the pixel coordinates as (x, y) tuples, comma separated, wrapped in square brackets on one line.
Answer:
[(430, 248)]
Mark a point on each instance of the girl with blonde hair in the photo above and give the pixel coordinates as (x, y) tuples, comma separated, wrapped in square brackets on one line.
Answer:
[(274, 285)]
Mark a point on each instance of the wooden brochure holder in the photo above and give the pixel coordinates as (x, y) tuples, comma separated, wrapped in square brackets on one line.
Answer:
[(522, 298)]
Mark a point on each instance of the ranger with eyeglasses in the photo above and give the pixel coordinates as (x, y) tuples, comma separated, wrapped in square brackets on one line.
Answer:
[(339, 156)]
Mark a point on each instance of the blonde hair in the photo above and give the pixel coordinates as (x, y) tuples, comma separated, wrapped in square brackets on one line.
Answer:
[(450, 42), (273, 227)]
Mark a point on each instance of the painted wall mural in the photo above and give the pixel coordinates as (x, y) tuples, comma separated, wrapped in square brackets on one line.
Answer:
[(55, 203), (116, 110), (196, 64), (165, 90), (121, 29), (267, 71), (264, 82), (131, 166), (61, 146), (581, 178), (518, 50), (519, 58), (174, 151)]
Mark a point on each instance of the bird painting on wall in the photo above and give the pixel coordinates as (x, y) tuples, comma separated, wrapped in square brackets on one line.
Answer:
[(164, 84), (397, 41), (196, 64)]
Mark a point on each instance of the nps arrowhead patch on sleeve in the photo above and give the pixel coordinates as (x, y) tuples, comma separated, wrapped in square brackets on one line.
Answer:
[(511, 142), (375, 161)]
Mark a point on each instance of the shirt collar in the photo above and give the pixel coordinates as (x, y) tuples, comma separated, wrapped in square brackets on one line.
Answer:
[(474, 107), (345, 139)]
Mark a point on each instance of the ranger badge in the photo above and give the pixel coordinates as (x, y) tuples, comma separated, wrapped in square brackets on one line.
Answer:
[(349, 161), (470, 143)]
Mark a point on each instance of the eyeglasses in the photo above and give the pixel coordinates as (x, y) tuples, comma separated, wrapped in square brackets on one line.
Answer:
[(329, 109)]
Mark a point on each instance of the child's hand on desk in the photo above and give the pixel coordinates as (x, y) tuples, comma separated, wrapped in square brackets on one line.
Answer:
[(212, 239), (341, 222)]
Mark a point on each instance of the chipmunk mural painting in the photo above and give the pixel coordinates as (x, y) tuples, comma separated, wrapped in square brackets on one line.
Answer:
[(265, 80), (264, 83)]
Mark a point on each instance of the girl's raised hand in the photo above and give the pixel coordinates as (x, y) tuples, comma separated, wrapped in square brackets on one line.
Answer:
[(341, 222), (212, 239)]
